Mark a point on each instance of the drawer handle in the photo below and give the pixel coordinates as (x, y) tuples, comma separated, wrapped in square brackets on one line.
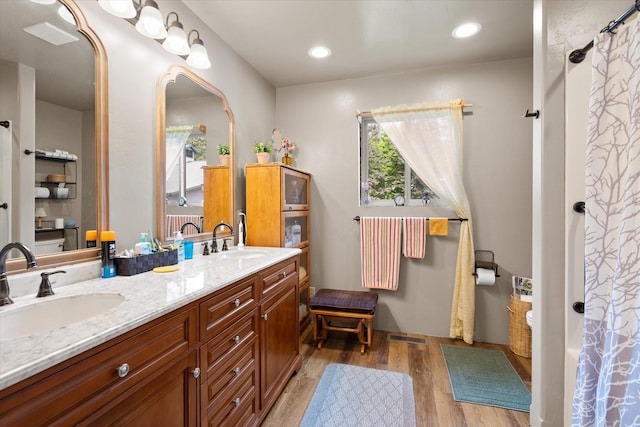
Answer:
[(236, 401), (236, 371), (123, 370), (236, 302), (265, 316), (284, 274), (196, 373), (236, 339)]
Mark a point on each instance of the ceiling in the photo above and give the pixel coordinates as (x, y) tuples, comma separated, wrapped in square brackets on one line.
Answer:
[(367, 37), (65, 74)]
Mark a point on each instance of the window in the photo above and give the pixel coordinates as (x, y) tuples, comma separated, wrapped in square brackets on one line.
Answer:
[(384, 174)]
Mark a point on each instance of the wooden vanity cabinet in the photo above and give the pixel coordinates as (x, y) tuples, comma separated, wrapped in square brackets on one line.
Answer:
[(280, 343), (221, 360), (101, 381)]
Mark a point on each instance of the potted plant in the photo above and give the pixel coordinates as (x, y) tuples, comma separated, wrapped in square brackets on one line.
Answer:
[(262, 150), (224, 153)]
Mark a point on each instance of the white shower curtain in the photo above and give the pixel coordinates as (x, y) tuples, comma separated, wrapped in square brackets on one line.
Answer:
[(429, 138), (176, 138), (608, 378)]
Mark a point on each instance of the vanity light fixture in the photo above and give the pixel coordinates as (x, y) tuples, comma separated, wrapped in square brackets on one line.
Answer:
[(150, 23), (176, 41), (44, 1), (319, 52), (465, 30), (120, 8), (198, 57)]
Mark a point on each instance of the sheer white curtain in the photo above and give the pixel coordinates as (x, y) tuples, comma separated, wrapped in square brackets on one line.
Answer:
[(608, 378), (176, 138), (429, 138)]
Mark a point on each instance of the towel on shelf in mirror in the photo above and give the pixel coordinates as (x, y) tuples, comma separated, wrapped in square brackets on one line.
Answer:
[(438, 226), (414, 241), (380, 252)]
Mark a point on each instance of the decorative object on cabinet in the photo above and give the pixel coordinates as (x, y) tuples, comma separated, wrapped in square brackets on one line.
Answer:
[(40, 213), (224, 154), (278, 216), (263, 151)]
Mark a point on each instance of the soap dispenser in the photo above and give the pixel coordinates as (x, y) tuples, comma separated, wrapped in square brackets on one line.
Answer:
[(142, 247), (241, 232)]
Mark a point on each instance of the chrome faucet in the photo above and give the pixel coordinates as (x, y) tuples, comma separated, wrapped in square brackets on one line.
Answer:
[(214, 244), (4, 283), (190, 223)]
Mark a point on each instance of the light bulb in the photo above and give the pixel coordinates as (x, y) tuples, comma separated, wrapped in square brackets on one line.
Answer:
[(120, 8), (150, 22)]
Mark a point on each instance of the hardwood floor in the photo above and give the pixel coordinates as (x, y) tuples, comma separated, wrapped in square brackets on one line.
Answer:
[(423, 362)]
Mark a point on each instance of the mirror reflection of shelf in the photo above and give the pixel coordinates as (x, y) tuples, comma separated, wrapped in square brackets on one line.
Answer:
[(57, 175)]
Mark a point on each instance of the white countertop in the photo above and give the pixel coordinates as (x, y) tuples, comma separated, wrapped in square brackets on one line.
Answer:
[(147, 296)]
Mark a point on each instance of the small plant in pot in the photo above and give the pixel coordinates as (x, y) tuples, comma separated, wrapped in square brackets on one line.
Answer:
[(223, 152), (262, 150)]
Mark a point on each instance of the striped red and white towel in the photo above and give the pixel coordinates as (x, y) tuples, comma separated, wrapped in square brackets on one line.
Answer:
[(414, 243), (380, 252)]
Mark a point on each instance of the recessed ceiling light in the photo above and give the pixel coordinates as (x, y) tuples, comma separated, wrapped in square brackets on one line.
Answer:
[(466, 30), (319, 52)]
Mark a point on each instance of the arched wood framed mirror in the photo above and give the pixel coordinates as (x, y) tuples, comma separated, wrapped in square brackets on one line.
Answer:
[(195, 191), (54, 68)]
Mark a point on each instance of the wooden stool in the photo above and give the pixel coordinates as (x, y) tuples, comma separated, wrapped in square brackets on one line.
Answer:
[(355, 309)]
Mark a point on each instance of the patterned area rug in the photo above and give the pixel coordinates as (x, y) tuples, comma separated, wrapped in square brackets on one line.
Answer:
[(354, 396), (485, 377)]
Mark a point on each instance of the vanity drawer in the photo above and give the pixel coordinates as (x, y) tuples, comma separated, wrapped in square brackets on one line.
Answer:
[(229, 372), (221, 348), (275, 278), (219, 311), (91, 380), (236, 405)]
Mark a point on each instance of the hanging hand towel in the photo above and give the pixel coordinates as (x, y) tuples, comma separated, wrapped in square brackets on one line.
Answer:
[(380, 252), (414, 241), (438, 226)]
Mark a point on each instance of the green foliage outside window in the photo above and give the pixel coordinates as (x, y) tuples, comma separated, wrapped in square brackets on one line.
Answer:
[(385, 173)]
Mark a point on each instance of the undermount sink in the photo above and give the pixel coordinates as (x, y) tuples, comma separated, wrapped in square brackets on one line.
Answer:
[(51, 314), (244, 254)]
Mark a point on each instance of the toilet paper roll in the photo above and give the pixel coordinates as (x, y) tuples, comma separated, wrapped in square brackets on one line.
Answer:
[(42, 192), (485, 276)]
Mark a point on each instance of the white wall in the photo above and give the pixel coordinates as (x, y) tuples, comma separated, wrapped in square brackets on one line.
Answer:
[(321, 119), (135, 63)]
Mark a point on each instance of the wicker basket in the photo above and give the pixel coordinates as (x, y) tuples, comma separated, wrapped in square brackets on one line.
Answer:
[(519, 331)]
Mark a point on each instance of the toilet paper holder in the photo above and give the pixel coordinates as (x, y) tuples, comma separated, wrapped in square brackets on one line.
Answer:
[(485, 259)]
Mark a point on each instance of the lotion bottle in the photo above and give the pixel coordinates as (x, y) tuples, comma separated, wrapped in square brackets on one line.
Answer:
[(241, 238), (179, 240)]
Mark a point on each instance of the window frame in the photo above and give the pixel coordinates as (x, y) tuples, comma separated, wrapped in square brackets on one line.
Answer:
[(363, 173)]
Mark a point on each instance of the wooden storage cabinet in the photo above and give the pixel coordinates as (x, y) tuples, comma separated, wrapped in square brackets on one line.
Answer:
[(217, 197), (278, 201), (77, 389)]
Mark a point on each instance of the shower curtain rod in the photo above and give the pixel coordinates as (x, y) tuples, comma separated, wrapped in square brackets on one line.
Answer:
[(578, 55), (409, 110)]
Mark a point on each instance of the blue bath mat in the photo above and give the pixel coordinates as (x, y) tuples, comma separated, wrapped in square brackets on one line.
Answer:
[(354, 396), (485, 377)]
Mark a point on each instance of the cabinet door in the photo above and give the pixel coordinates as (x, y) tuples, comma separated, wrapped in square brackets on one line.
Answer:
[(295, 190), (169, 399), (279, 337)]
